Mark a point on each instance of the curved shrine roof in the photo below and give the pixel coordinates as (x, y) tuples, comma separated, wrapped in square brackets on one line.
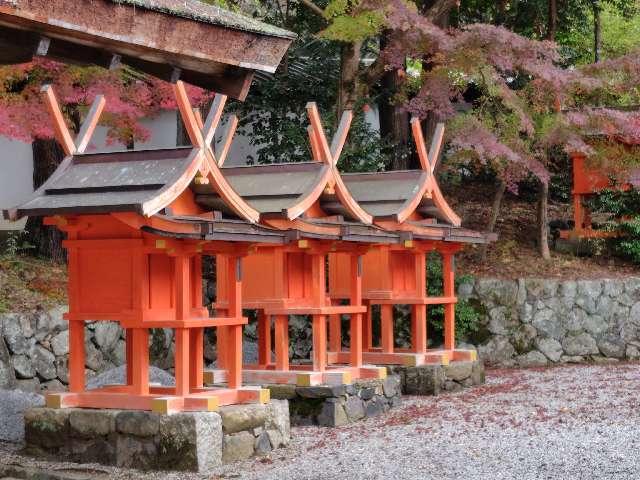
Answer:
[(270, 189)]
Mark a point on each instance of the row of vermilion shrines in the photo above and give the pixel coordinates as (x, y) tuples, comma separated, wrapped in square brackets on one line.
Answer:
[(142, 267)]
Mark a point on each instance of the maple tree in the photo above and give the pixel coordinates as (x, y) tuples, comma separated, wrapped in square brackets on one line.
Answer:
[(502, 93), (130, 97)]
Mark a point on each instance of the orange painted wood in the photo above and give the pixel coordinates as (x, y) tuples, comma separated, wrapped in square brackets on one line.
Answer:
[(319, 333), (386, 328), (355, 330), (449, 309), (395, 358), (182, 361), (367, 329), (76, 356), (140, 360), (221, 347), (335, 333), (234, 358), (196, 366), (329, 310), (418, 328), (89, 125), (264, 338), (60, 128), (282, 342)]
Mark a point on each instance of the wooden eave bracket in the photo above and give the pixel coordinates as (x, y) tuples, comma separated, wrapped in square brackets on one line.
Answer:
[(329, 155), (429, 162), (201, 135), (61, 131)]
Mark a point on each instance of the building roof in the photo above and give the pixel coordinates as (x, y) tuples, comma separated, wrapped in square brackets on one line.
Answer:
[(273, 190), (201, 44), (109, 182), (384, 194), (396, 195), (206, 13)]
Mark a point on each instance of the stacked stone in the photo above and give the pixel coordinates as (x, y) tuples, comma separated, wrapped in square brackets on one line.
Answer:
[(194, 441), (337, 405), (34, 350), (435, 379), (537, 322)]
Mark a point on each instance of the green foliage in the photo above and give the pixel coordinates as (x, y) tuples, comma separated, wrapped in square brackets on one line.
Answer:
[(16, 243), (467, 315), (624, 206), (620, 35)]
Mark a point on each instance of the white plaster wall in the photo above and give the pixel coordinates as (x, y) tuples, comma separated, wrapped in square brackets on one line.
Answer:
[(16, 177)]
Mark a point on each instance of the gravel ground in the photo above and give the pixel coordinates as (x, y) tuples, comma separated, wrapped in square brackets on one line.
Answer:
[(572, 422)]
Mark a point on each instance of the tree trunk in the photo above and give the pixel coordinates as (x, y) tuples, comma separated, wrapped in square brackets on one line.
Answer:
[(543, 220), (597, 30), (348, 83), (552, 25), (47, 241), (394, 120), (495, 211)]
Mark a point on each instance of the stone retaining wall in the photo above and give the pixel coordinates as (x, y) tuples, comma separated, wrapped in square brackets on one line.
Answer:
[(533, 322), (35, 351), (337, 405), (190, 441)]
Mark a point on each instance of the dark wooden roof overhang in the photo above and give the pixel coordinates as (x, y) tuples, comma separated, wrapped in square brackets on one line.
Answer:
[(170, 39), (216, 230)]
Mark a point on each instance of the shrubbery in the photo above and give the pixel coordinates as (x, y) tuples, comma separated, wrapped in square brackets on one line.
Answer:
[(624, 207)]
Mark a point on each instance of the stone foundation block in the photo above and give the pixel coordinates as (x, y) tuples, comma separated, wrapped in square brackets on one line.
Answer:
[(337, 405), (435, 379), (187, 441)]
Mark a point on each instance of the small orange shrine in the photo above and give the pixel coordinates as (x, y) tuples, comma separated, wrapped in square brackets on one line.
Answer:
[(135, 240), (588, 181), (409, 202), (311, 202)]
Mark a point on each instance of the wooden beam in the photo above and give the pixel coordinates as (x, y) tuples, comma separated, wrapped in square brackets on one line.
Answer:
[(436, 146), (416, 128), (313, 141), (59, 124), (341, 135), (226, 145), (89, 124), (213, 118), (188, 118), (318, 129)]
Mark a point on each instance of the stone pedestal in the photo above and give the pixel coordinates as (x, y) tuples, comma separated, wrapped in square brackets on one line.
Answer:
[(434, 379), (337, 405), (189, 441)]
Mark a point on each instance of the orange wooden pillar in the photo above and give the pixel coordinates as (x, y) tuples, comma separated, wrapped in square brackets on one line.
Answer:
[(396, 275), (264, 338), (145, 283), (291, 280), (449, 308)]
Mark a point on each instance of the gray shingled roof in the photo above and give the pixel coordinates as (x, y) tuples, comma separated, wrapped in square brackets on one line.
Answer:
[(108, 182), (268, 188), (384, 194), (205, 13)]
